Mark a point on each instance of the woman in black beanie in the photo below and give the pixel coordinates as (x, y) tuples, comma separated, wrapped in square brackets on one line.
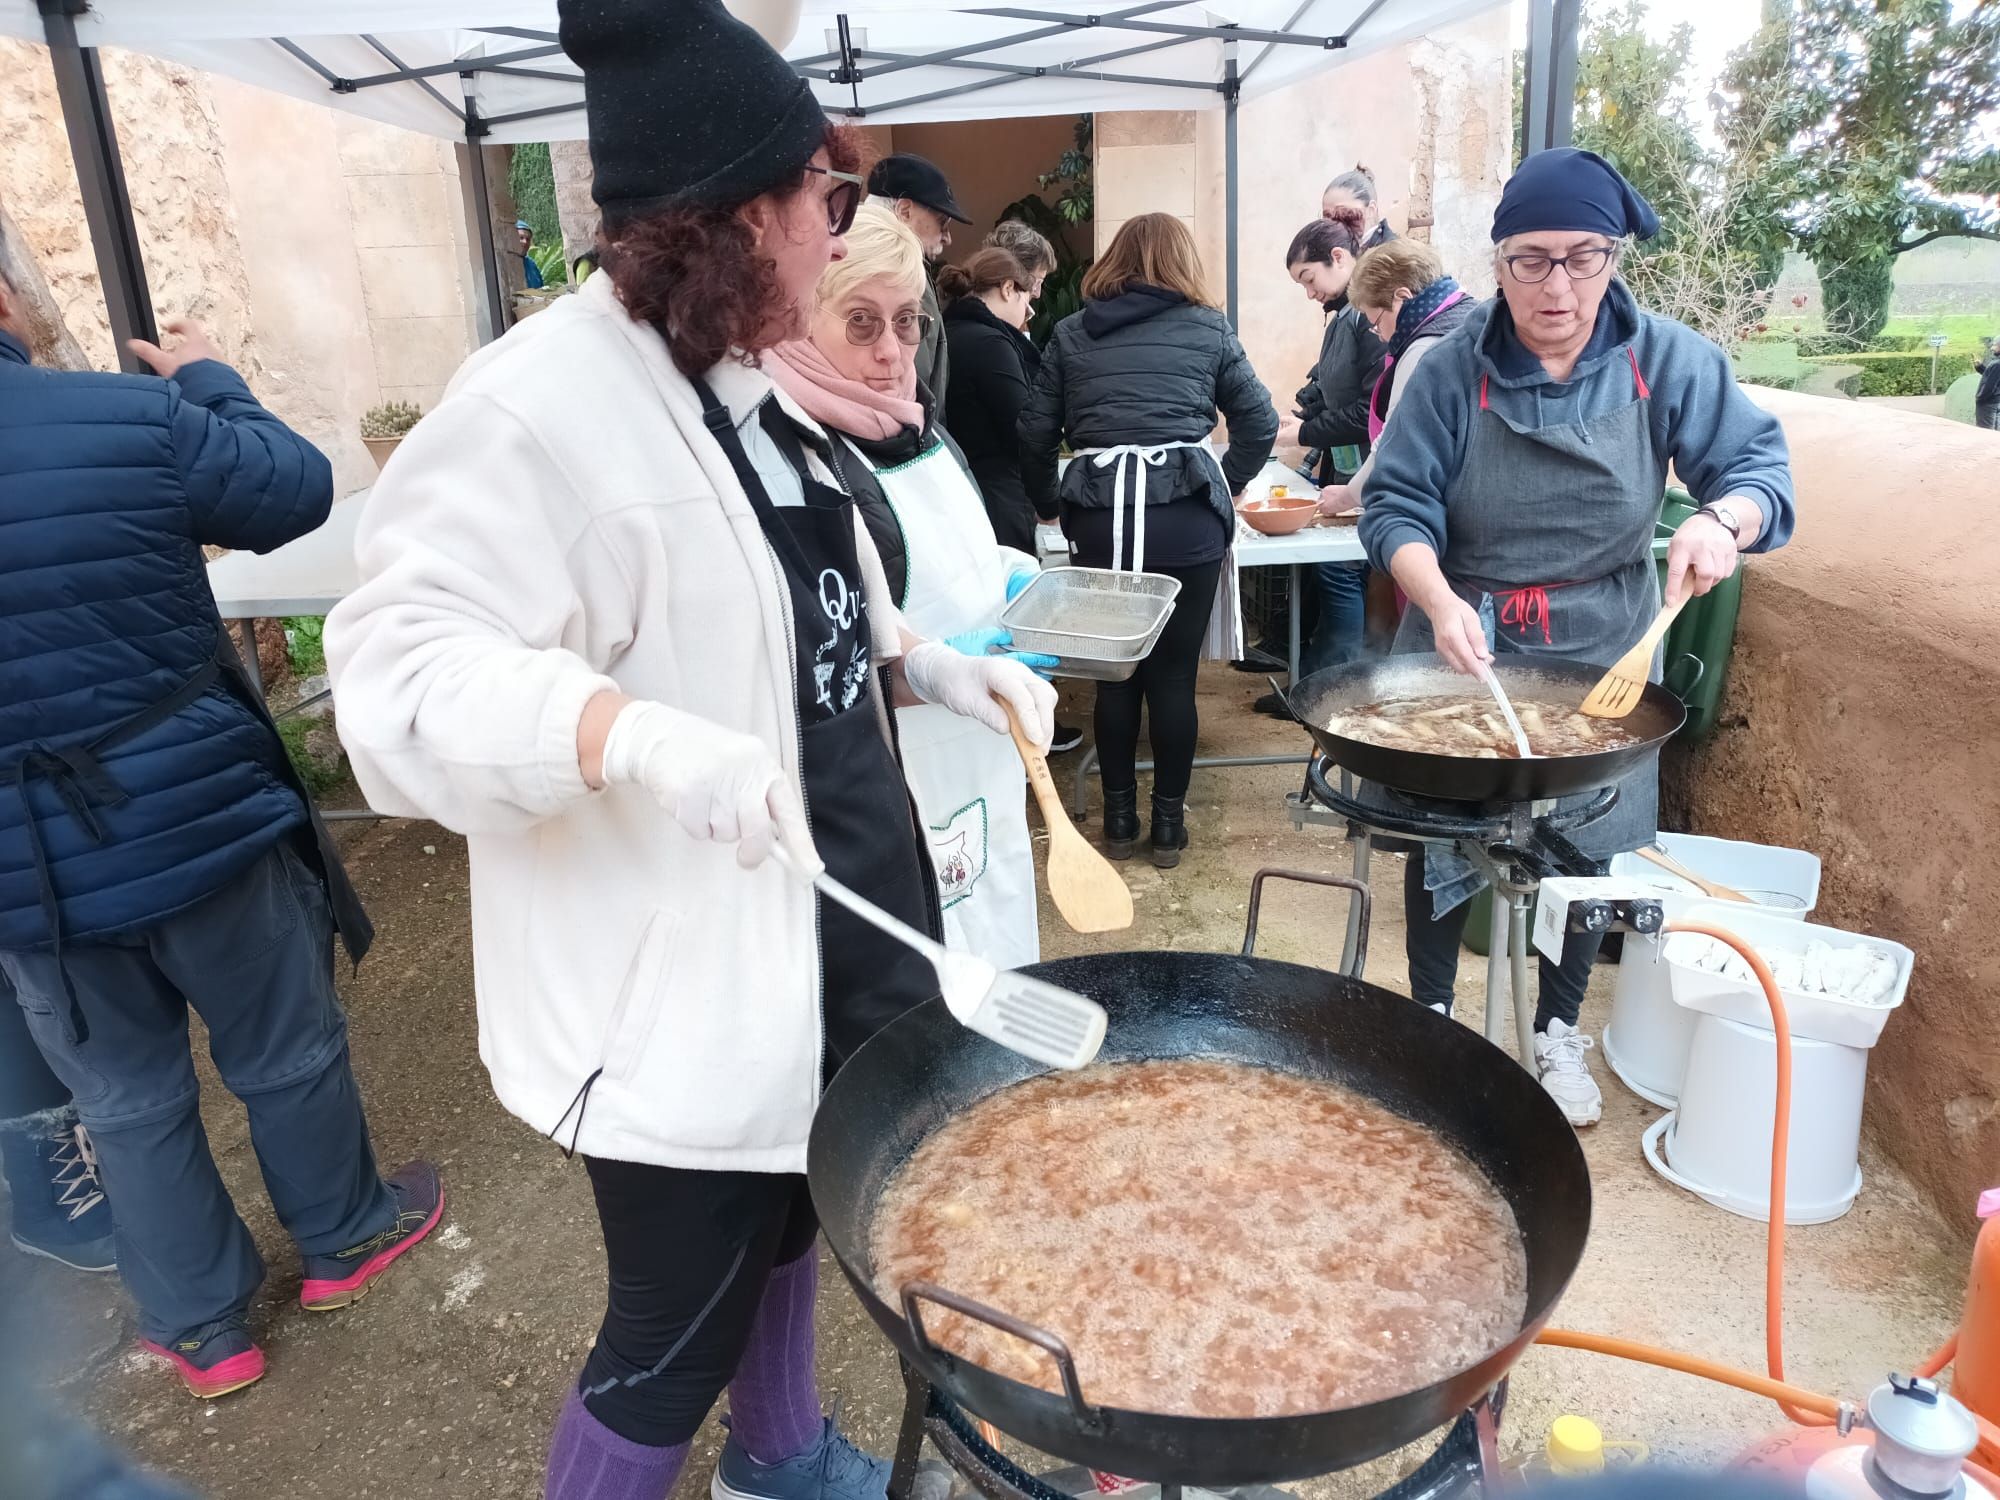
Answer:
[(627, 635)]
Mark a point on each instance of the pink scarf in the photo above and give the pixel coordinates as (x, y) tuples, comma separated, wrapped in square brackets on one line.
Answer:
[(832, 400)]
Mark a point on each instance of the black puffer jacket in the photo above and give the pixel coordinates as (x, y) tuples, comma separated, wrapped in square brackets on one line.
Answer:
[(1145, 366), (989, 388), (1334, 400)]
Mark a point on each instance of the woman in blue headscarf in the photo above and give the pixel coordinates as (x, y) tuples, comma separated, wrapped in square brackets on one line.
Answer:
[(1514, 498)]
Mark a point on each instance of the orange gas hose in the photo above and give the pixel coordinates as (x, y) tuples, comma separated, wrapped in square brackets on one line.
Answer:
[(1807, 1408), (1943, 1355)]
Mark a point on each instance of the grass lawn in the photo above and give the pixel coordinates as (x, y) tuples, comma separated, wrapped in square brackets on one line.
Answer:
[(1965, 330)]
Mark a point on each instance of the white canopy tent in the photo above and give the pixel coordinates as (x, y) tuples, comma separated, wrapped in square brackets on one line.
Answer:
[(491, 72)]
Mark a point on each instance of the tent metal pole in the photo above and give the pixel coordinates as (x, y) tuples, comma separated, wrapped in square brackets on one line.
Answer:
[(1125, 23), (1549, 76), (1232, 86), (100, 176), (490, 307)]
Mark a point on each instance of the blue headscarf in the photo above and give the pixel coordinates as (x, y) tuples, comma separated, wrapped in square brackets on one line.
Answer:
[(1566, 188)]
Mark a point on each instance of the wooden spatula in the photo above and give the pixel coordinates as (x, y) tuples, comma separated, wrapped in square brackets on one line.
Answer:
[(1089, 893), (1714, 889), (1618, 692)]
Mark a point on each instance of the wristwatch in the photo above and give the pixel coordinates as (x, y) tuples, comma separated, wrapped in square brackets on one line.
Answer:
[(1720, 512)]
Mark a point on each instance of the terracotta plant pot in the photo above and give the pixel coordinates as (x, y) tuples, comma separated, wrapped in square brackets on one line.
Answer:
[(379, 449)]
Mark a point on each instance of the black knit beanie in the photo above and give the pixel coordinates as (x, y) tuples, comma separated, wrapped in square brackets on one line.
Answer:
[(687, 105)]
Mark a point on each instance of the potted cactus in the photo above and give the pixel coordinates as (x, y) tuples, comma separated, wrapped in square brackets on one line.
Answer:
[(384, 426)]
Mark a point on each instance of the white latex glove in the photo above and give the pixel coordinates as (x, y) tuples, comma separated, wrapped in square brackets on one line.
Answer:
[(968, 685), (717, 783)]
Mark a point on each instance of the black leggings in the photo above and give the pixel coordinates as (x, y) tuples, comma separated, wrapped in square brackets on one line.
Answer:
[(1164, 685), (688, 1254), (1432, 946)]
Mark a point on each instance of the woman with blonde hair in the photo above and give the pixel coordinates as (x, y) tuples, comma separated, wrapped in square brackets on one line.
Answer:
[(1402, 290), (1134, 382), (855, 374)]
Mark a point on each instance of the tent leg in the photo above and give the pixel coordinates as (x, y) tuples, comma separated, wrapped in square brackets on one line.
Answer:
[(491, 303), (1548, 81), (1231, 87), (100, 175)]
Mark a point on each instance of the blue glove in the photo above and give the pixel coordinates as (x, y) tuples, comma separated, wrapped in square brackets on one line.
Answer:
[(1019, 579), (984, 642)]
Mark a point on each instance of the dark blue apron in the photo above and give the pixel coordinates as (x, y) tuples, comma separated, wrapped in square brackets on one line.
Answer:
[(856, 799)]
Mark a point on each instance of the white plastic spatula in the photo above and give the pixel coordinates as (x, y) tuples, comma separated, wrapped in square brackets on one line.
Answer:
[(1029, 1016), (1506, 711)]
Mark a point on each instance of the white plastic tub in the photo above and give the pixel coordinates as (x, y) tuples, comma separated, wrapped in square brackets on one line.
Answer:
[(1813, 1017), (1647, 1038), (1717, 1144)]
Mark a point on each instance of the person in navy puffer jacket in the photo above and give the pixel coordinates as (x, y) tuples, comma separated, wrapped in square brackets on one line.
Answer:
[(156, 850)]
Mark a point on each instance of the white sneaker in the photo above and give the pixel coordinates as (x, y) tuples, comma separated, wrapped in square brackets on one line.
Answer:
[(1559, 1060)]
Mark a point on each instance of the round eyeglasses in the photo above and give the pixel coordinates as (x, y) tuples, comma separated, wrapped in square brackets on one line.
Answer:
[(864, 328), (1578, 265)]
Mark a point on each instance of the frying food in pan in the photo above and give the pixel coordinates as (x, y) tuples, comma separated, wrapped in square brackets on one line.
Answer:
[(1211, 1239), (1444, 724)]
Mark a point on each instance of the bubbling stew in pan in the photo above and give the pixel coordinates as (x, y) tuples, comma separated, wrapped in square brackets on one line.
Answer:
[(1453, 724), (1211, 1239)]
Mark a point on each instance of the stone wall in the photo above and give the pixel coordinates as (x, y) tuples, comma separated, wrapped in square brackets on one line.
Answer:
[(1861, 722), (325, 252)]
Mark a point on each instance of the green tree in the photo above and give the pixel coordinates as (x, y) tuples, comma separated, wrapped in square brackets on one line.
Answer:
[(532, 180), (1868, 118), (1630, 109)]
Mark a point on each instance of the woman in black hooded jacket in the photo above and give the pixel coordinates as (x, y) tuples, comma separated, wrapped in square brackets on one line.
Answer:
[(987, 302), (1135, 382)]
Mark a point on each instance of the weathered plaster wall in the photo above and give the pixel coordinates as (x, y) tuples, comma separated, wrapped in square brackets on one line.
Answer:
[(1861, 722), (1429, 119), (324, 252)]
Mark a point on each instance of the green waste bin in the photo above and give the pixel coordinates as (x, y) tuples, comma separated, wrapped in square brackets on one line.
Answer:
[(1706, 630)]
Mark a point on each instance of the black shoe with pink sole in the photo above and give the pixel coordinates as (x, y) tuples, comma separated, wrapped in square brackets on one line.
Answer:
[(344, 1278)]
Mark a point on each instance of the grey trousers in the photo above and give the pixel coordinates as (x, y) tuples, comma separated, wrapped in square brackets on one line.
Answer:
[(255, 961)]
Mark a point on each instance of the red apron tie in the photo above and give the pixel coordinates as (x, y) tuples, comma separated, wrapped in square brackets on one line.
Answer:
[(1523, 609)]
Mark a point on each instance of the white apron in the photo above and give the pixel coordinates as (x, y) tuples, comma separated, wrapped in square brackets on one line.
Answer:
[(1223, 640), (970, 790)]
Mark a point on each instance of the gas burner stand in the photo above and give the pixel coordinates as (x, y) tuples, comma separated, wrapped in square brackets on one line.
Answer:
[(1466, 1460), (1516, 845)]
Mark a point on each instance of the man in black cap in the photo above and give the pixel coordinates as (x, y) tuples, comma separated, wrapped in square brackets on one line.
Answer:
[(916, 192)]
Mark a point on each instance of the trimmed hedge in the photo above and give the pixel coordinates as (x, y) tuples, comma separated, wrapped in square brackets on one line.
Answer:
[(1897, 374), (1898, 343)]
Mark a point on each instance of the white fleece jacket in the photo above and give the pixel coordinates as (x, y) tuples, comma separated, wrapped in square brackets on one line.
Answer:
[(563, 525)]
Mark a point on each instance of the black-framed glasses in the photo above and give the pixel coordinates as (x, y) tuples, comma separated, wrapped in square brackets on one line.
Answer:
[(864, 328), (843, 198), (1578, 265)]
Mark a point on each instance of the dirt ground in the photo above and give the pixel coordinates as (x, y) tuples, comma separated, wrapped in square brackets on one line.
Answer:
[(445, 1381)]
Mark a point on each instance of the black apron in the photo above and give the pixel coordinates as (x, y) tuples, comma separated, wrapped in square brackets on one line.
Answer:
[(83, 783), (853, 784)]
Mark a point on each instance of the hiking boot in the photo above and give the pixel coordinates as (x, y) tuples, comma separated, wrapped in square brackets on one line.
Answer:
[(343, 1278), (832, 1469), (1170, 834), (1121, 821), (1564, 1073), (214, 1359), (60, 1212)]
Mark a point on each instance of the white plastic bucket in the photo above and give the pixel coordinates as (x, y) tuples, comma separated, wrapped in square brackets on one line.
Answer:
[(1717, 1144), (1812, 1016), (1646, 1040)]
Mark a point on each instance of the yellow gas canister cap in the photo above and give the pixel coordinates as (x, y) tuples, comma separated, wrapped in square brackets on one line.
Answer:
[(1575, 1445)]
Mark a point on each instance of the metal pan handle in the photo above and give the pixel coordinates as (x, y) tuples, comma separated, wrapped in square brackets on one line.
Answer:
[(1693, 682), (1362, 897), (916, 1293)]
